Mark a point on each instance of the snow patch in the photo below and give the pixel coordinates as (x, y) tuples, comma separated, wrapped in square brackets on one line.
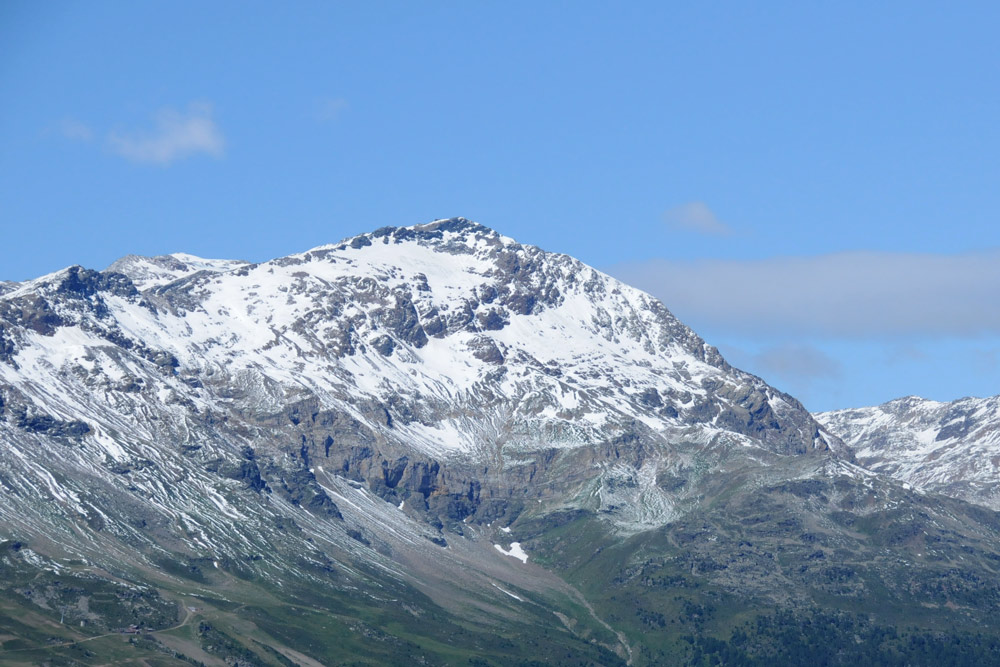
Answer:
[(515, 551), (503, 590)]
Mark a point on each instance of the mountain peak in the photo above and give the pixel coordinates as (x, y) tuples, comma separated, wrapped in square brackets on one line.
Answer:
[(457, 225), (439, 315), (908, 402), (147, 272), (437, 232)]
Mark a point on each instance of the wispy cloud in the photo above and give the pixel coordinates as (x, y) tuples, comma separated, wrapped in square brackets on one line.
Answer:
[(330, 108), (75, 130), (799, 367), (851, 294), (696, 217), (176, 135), (796, 362)]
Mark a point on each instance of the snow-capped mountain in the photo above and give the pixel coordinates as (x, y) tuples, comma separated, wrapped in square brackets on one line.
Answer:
[(951, 448), (434, 419), (444, 341), (442, 317)]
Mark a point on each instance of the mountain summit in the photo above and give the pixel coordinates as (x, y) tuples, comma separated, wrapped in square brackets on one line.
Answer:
[(418, 420), (426, 334), (465, 328)]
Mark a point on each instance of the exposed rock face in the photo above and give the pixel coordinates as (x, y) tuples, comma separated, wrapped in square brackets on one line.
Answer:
[(443, 368), (379, 412), (951, 448)]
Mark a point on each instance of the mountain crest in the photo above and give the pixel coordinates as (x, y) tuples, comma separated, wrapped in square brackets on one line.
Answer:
[(440, 317)]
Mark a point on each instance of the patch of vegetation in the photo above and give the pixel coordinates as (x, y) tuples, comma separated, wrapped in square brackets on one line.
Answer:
[(217, 642), (822, 639), (755, 578)]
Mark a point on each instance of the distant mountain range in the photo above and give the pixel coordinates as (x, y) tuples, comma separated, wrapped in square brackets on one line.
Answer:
[(950, 448), (434, 445)]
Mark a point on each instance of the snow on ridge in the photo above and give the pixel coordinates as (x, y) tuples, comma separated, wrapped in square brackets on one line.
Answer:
[(33, 285), (952, 447), (592, 352), (147, 272)]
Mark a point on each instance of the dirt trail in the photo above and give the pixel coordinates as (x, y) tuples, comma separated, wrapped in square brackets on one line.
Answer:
[(187, 618), (618, 633)]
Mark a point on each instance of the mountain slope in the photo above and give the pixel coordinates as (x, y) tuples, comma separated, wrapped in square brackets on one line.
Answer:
[(428, 441), (951, 448)]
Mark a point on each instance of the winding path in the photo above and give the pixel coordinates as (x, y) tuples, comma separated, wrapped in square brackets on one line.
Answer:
[(187, 618)]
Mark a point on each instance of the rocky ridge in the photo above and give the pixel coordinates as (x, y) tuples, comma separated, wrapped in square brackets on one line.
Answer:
[(386, 355), (951, 448)]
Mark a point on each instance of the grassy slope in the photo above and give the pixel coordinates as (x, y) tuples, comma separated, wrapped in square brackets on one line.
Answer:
[(255, 626)]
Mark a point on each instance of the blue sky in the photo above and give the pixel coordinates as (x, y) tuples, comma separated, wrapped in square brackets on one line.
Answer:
[(812, 186)]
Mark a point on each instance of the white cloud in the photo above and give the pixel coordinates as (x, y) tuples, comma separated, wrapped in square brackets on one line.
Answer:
[(696, 217), (850, 294), (75, 130), (176, 136)]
